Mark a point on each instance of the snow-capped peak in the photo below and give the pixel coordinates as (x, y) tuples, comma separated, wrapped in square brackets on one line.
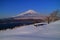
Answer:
[(28, 12)]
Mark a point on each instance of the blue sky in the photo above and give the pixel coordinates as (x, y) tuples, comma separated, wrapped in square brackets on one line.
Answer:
[(10, 8)]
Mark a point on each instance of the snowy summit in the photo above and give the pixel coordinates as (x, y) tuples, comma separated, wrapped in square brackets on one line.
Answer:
[(28, 12)]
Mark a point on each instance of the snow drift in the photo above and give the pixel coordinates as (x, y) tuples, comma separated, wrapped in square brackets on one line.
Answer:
[(47, 32)]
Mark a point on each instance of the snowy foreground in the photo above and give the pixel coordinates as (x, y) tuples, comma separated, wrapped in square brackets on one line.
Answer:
[(47, 32)]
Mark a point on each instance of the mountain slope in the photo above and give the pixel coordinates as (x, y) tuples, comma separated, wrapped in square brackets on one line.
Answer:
[(30, 14)]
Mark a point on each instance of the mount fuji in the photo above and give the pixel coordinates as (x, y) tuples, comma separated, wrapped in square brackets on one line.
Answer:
[(30, 14)]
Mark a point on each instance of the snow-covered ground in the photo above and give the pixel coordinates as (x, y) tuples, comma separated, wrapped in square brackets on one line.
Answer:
[(30, 32)]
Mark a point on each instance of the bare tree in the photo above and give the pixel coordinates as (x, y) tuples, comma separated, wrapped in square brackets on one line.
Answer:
[(54, 16)]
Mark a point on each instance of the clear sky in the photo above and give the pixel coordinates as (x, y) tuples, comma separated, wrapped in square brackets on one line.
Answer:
[(10, 8)]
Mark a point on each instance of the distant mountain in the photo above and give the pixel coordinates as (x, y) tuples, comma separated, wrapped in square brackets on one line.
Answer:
[(25, 18), (30, 14)]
